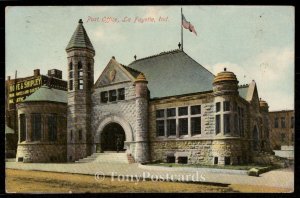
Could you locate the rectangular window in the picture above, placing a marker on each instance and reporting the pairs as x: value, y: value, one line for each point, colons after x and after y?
x: 171, y: 112
x: 196, y: 110
x: 227, y: 160
x: 218, y: 129
x: 112, y: 95
x: 196, y: 125
x: 282, y: 122
x: 22, y: 127
x: 276, y: 123
x: 104, y: 97
x: 71, y: 84
x: 171, y: 127
x: 160, y: 127
x: 36, y: 125
x: 80, y: 135
x: 226, y: 106
x: 160, y: 113
x: 183, y: 126
x: 80, y: 84
x: 292, y: 122
x: 80, y: 74
x: 52, y: 127
x: 218, y: 106
x: 226, y: 123
x: 71, y: 74
x: 121, y: 94
x: 182, y: 111
x: 215, y: 160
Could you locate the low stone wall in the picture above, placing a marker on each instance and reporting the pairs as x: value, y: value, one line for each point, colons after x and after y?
x: 201, y: 151
x: 39, y: 153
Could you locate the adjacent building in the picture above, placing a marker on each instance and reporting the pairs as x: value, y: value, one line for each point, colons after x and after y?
x: 282, y: 132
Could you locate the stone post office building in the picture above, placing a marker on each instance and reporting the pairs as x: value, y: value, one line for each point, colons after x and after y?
x: 165, y: 107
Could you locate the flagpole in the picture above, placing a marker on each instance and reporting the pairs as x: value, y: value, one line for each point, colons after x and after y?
x: 181, y: 31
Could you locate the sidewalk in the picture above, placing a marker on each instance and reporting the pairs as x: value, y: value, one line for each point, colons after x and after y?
x: 283, y: 178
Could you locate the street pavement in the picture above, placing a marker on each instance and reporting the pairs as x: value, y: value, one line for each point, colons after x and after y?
x: 282, y: 178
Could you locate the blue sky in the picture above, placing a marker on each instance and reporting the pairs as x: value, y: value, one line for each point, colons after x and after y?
x: 255, y: 42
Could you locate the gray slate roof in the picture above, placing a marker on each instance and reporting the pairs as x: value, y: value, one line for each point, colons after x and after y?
x: 173, y: 73
x: 80, y: 39
x: 44, y: 93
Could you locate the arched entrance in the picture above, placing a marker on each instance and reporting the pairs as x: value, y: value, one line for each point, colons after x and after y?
x: 112, y: 138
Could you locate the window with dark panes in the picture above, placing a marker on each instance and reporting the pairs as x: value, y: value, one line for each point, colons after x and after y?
x: 171, y: 112
x: 160, y: 113
x: 22, y: 127
x: 80, y: 134
x: 104, y: 96
x: 226, y: 123
x: 121, y: 94
x: 36, y: 126
x: 171, y: 127
x: 112, y: 95
x: 195, y: 109
x: 276, y: 122
x: 71, y: 74
x: 196, y: 125
x: 226, y: 106
x: 160, y: 127
x: 71, y: 84
x: 182, y: 111
x: 70, y: 66
x: 79, y: 65
x: 218, y: 106
x: 282, y: 122
x: 218, y: 124
x: 183, y: 126
x: 52, y: 127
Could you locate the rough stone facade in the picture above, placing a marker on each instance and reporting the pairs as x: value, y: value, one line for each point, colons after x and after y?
x: 43, y: 150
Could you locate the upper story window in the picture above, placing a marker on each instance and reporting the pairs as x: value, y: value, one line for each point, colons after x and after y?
x: 70, y: 66
x: 195, y: 110
x: 160, y: 113
x: 104, y: 96
x: 218, y: 106
x: 112, y: 95
x: 218, y: 124
x: 79, y: 65
x: 121, y: 94
x: 226, y: 106
x: 182, y: 111
x: 171, y: 112
x: 276, y: 122
x: 80, y: 84
x: 282, y: 122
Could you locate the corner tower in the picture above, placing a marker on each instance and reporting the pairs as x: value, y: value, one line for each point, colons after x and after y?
x: 81, y: 54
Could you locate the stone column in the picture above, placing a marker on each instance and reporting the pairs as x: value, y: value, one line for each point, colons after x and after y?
x: 141, y: 102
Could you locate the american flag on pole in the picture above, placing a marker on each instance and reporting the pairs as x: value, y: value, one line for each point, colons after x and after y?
x: 187, y: 25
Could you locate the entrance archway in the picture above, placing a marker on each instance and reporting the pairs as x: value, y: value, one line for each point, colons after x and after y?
x: 112, y: 138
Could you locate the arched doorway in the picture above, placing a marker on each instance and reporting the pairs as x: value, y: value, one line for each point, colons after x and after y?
x: 112, y: 138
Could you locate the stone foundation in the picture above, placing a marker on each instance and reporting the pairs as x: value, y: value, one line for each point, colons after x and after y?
x: 41, y: 153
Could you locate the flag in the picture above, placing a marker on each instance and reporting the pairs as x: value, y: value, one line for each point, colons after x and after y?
x: 187, y: 25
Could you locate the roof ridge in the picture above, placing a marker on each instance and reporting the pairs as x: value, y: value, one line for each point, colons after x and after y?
x: 159, y: 54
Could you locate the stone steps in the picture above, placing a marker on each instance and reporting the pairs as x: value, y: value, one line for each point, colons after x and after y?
x: 107, y: 158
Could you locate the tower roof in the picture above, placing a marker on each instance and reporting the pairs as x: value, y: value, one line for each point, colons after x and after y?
x: 225, y: 76
x: 80, y: 38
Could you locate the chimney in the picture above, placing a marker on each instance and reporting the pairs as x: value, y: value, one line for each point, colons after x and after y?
x: 36, y: 72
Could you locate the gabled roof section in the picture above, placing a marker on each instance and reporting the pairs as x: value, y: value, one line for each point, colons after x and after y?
x: 173, y: 73
x: 80, y: 38
x: 44, y: 93
x: 243, y: 90
x: 115, y: 72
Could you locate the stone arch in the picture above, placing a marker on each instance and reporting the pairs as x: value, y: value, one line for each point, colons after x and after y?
x: 114, y: 119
